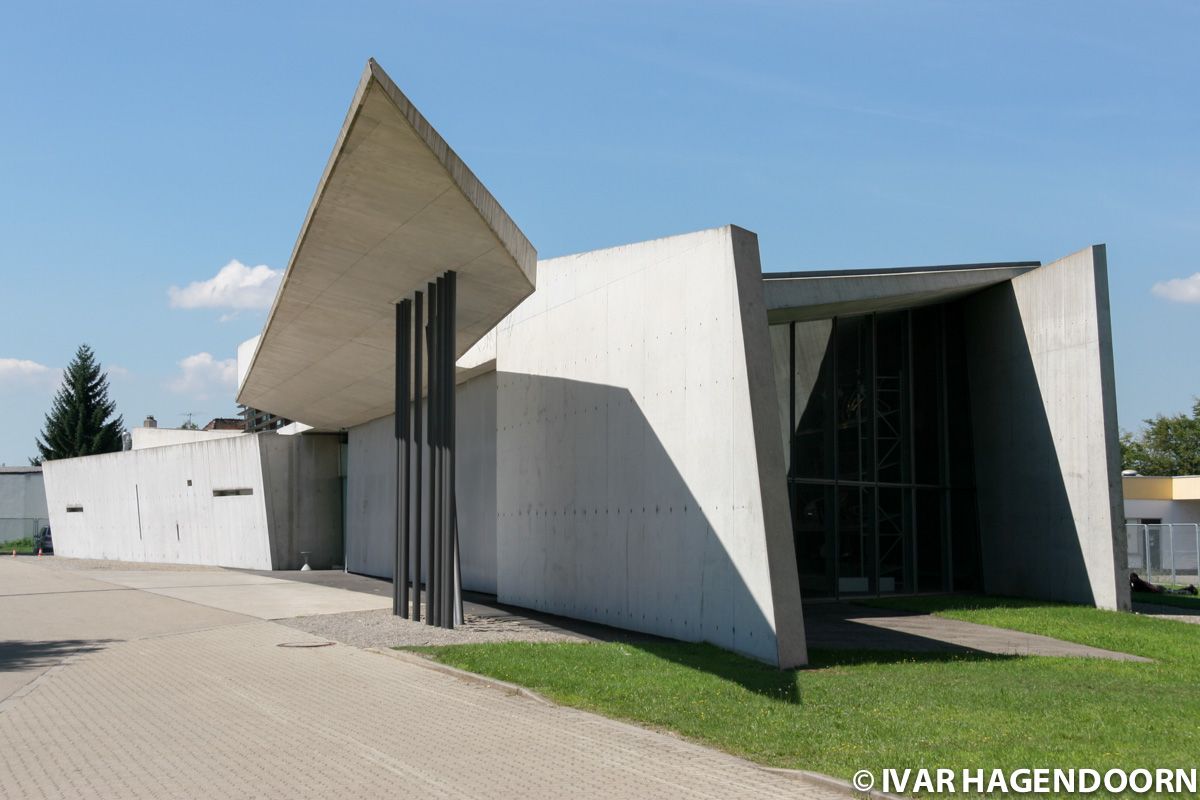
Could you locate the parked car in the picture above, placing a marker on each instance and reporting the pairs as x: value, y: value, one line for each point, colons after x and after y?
x: 43, y: 541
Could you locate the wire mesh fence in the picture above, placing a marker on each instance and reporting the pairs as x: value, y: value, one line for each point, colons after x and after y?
x: 14, y: 529
x: 1167, y: 552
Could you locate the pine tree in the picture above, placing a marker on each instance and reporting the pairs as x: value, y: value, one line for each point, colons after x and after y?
x: 80, y: 421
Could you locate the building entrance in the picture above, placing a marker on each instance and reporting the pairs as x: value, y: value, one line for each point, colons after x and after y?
x: 880, y: 470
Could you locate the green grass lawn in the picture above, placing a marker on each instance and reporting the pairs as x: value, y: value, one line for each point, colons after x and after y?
x: 22, y: 546
x: 858, y: 709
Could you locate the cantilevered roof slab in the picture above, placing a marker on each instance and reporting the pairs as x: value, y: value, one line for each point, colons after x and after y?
x: 395, y: 208
x: 797, y: 296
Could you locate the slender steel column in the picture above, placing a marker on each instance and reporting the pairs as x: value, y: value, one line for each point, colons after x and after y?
x: 445, y: 391
x: 418, y: 345
x: 426, y: 522
x: 403, y: 410
x: 400, y: 565
x: 432, y: 607
x: 453, y: 571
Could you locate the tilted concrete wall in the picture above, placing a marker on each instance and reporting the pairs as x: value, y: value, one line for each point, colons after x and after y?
x: 138, y: 506
x: 641, y: 480
x: 371, y: 489
x: 1043, y: 405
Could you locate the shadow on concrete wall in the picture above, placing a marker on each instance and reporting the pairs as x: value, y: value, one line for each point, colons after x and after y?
x: 597, y: 522
x: 1028, y: 531
x: 303, y: 499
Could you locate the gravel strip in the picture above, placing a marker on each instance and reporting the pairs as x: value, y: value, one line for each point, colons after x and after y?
x: 379, y: 628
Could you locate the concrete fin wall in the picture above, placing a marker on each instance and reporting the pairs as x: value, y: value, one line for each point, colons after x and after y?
x: 640, y: 476
x: 1044, y: 417
x: 139, y: 506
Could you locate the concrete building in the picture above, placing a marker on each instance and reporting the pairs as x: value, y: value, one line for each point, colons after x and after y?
x: 23, y: 509
x: 662, y: 437
x: 1153, y: 500
x: 1162, y: 525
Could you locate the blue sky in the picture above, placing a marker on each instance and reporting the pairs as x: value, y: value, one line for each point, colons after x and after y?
x: 147, y: 146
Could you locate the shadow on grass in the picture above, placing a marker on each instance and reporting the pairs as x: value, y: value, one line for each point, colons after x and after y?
x: 1167, y: 603
x: 932, y: 604
x: 784, y: 685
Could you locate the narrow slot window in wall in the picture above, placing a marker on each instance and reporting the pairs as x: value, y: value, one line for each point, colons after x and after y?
x: 231, y: 492
x: 74, y: 509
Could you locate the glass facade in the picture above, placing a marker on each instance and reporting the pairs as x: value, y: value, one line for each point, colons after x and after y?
x: 880, y: 465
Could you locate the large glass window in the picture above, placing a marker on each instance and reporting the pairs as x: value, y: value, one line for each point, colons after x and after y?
x: 880, y: 461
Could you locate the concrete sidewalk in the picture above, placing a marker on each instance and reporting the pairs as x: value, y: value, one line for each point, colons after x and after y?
x: 162, y: 697
x: 247, y: 593
x: 848, y: 626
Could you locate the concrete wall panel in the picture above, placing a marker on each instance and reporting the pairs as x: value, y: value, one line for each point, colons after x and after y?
x: 1044, y: 417
x: 636, y: 400
x: 139, y: 506
x: 303, y: 496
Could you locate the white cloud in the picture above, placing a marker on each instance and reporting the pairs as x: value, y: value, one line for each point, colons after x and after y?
x: 201, y: 374
x: 21, y: 373
x: 235, y: 286
x: 1179, y: 290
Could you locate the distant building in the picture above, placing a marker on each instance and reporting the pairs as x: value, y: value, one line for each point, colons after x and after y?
x: 1162, y: 526
x: 1157, y: 500
x: 225, y: 424
x: 22, y: 502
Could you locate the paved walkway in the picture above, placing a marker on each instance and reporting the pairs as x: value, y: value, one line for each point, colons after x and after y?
x: 1177, y: 613
x: 160, y: 696
x: 842, y: 626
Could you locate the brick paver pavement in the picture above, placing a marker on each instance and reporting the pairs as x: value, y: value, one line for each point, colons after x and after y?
x: 225, y: 712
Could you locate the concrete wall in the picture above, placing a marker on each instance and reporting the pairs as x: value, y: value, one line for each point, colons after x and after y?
x: 641, y: 480
x: 22, y: 504
x: 160, y: 437
x: 139, y: 506
x: 158, y: 504
x: 371, y: 489
x: 371, y: 498
x: 303, y: 499
x: 476, y: 482
x: 1044, y: 415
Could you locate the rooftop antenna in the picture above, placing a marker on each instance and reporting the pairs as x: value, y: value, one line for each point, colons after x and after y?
x: 189, y: 424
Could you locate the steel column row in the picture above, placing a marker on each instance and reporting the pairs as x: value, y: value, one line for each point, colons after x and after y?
x: 425, y: 331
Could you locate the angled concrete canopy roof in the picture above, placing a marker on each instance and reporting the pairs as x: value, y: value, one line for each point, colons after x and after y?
x: 395, y: 208
x: 795, y: 296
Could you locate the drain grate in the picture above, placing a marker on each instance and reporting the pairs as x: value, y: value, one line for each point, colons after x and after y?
x: 304, y: 644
